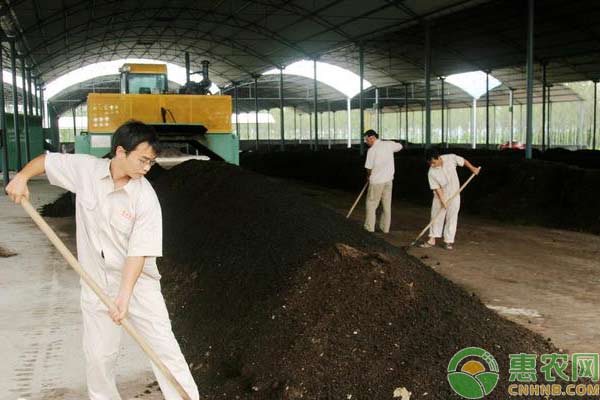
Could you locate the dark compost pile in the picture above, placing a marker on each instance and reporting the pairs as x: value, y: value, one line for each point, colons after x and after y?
x: 275, y: 297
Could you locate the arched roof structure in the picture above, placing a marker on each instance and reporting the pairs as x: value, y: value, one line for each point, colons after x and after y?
x: 244, y: 38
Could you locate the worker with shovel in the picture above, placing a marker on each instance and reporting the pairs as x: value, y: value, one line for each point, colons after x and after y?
x: 119, y: 237
x: 444, y: 182
x: 380, y: 175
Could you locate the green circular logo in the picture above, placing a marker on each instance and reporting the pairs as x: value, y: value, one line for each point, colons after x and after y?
x: 478, y: 373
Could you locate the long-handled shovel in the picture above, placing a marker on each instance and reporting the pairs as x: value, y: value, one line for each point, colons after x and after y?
x: 60, y: 246
x: 464, y: 185
x: 357, y: 199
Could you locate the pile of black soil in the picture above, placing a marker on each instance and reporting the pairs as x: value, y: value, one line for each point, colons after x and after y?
x: 275, y: 297
x: 64, y: 206
x: 510, y: 188
x: 155, y: 172
x: 580, y: 158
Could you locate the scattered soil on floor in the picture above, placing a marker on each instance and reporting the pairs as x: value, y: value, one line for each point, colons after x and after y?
x: 4, y: 252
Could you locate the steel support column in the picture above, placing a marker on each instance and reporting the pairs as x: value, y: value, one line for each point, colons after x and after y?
x: 511, y: 101
x: 74, y: 121
x: 529, y: 131
x: 413, y: 122
x: 29, y: 93
x: 237, y: 110
x: 316, y: 143
x: 187, y: 67
x: 300, y: 130
x: 328, y: 125
x: 13, y: 68
x: 256, y: 107
x: 295, y: 122
x: 595, y: 109
x: 474, y: 124
x: 449, y: 130
x: 361, y: 76
x: 321, y: 125
x: 381, y: 124
x: 427, y: 86
x: 281, y: 121
x: 543, y: 106
x: 5, y: 175
x: 548, y: 124
x: 494, y: 138
x: 310, y: 131
x: 25, y: 110
x: 349, y: 118
x: 42, y: 105
x: 377, y: 122
x: 36, y: 98
x: 268, y: 128
x: 443, y: 79
x: 399, y: 122
x: 423, y: 134
x: 406, y: 110
x: 521, y: 131
x: 487, y: 110
x: 268, y: 112
x: 334, y: 136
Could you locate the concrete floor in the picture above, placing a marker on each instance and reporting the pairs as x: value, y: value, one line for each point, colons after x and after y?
x: 542, y: 278
x: 40, y: 319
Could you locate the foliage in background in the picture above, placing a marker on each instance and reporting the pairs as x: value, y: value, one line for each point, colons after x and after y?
x: 570, y: 124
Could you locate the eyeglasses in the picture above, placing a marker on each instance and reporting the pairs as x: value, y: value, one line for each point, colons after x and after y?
x: 146, y: 162
x: 143, y: 161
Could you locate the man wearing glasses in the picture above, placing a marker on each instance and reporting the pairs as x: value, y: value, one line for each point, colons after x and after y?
x: 119, y: 237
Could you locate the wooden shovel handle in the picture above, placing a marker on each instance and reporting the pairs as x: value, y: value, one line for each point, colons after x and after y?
x: 357, y: 199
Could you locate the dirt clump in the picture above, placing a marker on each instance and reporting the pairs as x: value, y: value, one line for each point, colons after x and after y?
x: 5, y: 253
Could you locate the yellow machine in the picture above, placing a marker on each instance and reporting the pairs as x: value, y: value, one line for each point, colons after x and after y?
x: 200, y: 123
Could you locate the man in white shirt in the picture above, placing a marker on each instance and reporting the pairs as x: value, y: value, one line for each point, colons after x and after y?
x: 119, y: 237
x: 380, y: 173
x: 444, y: 182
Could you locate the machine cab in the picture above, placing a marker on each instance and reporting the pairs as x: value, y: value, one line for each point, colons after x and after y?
x: 143, y: 78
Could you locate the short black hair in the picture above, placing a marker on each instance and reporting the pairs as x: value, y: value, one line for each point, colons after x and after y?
x: 371, y: 132
x: 131, y: 134
x: 432, y: 154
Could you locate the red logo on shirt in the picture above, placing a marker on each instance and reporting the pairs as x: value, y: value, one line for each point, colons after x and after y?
x: 126, y: 214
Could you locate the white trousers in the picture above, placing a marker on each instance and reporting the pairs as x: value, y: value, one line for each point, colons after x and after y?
x: 446, y: 222
x: 379, y: 193
x: 101, y: 340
